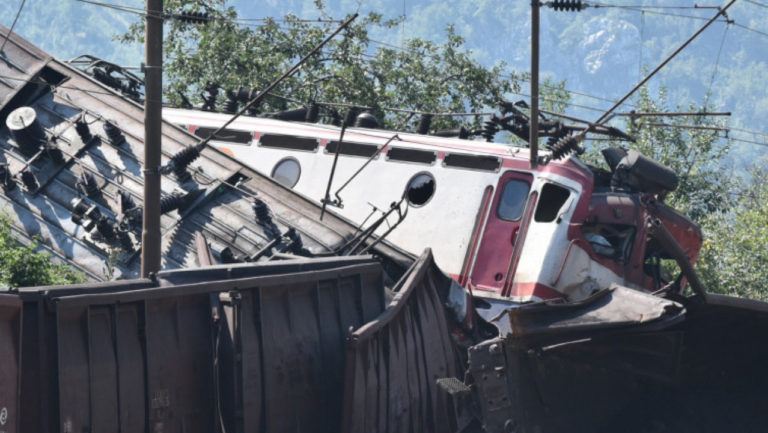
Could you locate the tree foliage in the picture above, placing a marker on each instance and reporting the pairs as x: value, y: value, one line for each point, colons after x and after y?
x: 734, y: 258
x: 23, y: 266
x: 419, y: 75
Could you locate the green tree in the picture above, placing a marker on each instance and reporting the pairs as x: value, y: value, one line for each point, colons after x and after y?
x: 734, y: 258
x: 419, y: 75
x: 23, y: 266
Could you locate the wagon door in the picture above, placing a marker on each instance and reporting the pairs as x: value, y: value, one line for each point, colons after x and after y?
x: 497, y: 245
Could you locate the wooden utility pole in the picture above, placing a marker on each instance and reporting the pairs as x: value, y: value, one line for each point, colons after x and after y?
x: 533, y: 130
x: 153, y: 106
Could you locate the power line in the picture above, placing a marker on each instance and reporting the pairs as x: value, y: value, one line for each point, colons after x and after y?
x: 121, y: 8
x: 746, y: 131
x: 241, y: 21
x: 762, y: 5
x: 8, y: 36
x: 717, y: 63
x: 727, y: 21
x: 54, y: 87
x: 750, y: 29
x: 605, y: 5
x: 764, y: 143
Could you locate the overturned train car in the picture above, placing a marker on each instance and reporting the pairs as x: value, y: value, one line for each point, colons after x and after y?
x: 323, y: 345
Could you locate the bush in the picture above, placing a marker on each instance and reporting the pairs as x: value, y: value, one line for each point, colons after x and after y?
x: 23, y: 266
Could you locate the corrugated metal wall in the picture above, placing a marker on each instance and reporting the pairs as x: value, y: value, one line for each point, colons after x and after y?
x: 254, y: 353
x: 394, y: 361
x: 10, y: 342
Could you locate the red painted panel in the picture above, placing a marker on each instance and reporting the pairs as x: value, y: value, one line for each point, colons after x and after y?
x: 497, y: 245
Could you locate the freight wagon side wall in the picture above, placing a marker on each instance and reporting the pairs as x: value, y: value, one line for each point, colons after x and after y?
x: 158, y: 358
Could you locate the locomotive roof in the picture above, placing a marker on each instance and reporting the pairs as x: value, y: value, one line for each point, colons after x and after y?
x: 219, y: 196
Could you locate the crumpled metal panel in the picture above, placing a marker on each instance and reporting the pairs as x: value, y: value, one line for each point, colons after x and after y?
x: 578, y: 366
x: 10, y: 363
x: 394, y: 361
x: 613, y: 308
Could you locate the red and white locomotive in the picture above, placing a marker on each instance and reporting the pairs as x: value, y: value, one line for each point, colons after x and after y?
x: 499, y: 227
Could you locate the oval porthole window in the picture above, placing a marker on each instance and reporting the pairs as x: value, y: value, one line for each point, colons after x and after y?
x: 420, y: 189
x: 287, y: 172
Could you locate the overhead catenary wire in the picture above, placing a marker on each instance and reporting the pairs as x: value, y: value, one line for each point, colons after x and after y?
x: 694, y: 17
x: 401, y: 110
x: 242, y: 21
x: 762, y: 5
x: 641, y: 6
x: 396, y: 47
x: 717, y: 63
x: 15, y: 20
x: 730, y: 137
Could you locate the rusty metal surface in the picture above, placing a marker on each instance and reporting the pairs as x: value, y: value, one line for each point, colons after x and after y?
x: 10, y: 363
x: 599, y: 384
x: 221, y: 190
x: 705, y: 373
x: 289, y: 340
x: 394, y: 361
x: 607, y: 310
x: 669, y: 245
x: 160, y: 357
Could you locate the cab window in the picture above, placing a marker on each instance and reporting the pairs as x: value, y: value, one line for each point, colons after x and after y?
x: 513, y: 198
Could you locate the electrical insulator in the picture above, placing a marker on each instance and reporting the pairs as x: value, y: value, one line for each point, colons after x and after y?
x: 193, y: 17
x: 105, y: 228
x: 125, y: 240
x: 230, y: 105
x: 297, y: 244
x: 171, y: 202
x: 424, y: 123
x: 86, y: 183
x: 313, y: 111
x: 126, y: 201
x: 181, y: 160
x: 349, y: 118
x: 490, y: 129
x: 296, y: 114
x: 227, y: 256
x: 55, y: 154
x: 29, y: 180
x: 82, y: 129
x: 565, y: 146
x: 264, y: 217
x: 566, y: 5
x: 262, y: 211
x: 5, y: 178
x: 116, y: 137
x: 209, y: 95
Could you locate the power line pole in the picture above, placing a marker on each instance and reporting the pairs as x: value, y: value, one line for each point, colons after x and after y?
x: 153, y: 105
x: 533, y: 134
